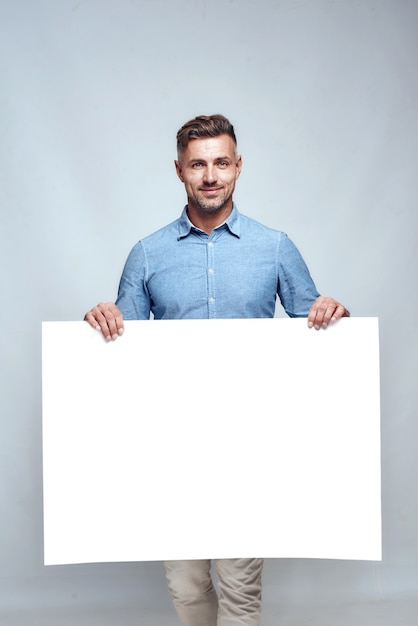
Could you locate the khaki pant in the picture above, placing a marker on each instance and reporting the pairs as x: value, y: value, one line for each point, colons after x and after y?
x: 196, y: 601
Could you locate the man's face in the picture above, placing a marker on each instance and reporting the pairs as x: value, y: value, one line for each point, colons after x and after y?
x: 209, y: 167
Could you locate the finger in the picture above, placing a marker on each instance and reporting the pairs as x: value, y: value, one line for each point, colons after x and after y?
x: 323, y: 311
x: 340, y: 311
x: 114, y: 320
x: 118, y: 320
x: 108, y: 322
x: 102, y: 321
x: 330, y: 314
x: 317, y: 312
x: 108, y: 318
x: 89, y: 317
x: 311, y: 317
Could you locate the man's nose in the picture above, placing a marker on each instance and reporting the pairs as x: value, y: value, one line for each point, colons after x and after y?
x: 210, y: 174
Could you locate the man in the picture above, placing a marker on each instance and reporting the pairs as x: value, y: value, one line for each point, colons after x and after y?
x: 213, y: 262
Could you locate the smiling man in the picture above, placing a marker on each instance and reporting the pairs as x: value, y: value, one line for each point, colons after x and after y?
x: 213, y: 262
x: 209, y: 168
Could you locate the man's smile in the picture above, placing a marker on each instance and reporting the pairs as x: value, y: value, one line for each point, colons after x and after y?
x: 210, y: 190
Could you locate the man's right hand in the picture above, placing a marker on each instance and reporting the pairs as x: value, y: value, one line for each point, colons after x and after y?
x: 107, y: 318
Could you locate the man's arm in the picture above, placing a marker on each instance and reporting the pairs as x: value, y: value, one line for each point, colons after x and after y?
x: 297, y: 291
x: 325, y: 310
x: 133, y: 299
x: 106, y: 317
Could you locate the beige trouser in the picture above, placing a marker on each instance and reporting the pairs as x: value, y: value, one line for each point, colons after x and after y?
x: 196, y: 601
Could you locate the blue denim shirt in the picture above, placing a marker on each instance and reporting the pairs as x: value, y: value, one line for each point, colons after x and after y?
x: 181, y: 272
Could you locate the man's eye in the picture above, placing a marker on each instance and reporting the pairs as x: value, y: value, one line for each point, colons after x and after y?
x: 197, y: 165
x: 223, y: 163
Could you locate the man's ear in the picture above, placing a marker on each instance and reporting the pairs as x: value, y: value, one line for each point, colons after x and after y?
x: 178, y: 170
x: 238, y: 165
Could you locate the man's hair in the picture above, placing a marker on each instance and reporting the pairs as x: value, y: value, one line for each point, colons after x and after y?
x: 204, y: 126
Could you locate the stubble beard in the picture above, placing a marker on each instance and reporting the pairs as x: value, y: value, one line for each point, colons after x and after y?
x: 212, y: 207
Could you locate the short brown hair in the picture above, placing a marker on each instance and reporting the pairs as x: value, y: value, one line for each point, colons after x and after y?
x: 204, y: 126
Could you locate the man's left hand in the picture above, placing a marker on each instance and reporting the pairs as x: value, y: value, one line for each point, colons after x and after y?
x: 325, y: 310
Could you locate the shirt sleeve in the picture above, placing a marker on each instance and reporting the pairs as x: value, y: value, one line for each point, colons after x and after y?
x: 295, y: 287
x: 133, y: 298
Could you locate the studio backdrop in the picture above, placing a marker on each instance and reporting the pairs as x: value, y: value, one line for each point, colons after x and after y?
x: 323, y: 96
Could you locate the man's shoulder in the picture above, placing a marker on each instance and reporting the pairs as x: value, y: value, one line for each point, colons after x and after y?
x: 253, y: 226
x: 165, y: 233
x: 157, y: 241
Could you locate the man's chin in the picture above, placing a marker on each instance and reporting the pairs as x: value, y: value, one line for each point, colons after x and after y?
x: 211, y: 207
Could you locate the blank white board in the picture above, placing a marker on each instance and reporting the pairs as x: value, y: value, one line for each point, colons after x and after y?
x: 191, y: 439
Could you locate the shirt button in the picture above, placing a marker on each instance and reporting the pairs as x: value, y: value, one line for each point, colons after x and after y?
x: 210, y: 270
x: 211, y: 300
x: 210, y: 243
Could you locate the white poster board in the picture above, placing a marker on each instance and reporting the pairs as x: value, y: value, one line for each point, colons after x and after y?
x: 211, y: 439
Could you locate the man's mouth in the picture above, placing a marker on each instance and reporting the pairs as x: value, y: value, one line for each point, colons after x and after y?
x: 210, y: 190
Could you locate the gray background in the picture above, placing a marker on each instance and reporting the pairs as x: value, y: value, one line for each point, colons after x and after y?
x: 323, y: 95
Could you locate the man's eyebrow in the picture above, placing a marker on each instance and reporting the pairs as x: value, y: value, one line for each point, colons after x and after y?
x: 220, y: 158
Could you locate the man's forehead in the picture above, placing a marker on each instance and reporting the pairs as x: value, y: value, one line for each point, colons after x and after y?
x: 221, y: 145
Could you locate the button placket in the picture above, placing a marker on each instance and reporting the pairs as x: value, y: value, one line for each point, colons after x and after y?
x: 211, y: 279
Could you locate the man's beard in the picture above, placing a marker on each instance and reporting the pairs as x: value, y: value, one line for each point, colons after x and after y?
x: 211, y: 207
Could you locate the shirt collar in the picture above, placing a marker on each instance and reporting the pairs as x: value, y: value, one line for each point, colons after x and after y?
x: 232, y: 222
